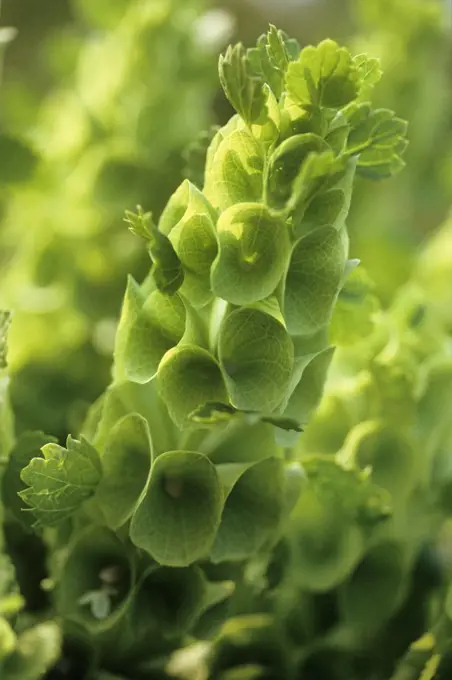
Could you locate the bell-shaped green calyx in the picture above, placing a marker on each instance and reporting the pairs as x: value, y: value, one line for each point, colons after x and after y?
x: 256, y: 357
x: 179, y: 512
x: 254, y: 247
x: 327, y: 524
x: 168, y: 600
x: 309, y: 389
x: 326, y: 543
x: 189, y: 221
x: 252, y: 510
x: 156, y: 328
x: 236, y: 172
x: 95, y: 581
x: 284, y: 167
x: 313, y: 280
x: 126, y: 461
x: 189, y: 377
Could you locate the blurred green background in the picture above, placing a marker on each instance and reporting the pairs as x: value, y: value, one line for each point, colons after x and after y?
x: 99, y: 101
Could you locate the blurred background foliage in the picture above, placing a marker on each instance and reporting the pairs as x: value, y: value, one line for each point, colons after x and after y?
x: 100, y: 99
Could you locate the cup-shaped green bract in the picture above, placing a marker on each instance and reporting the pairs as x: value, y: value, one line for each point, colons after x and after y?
x: 95, y: 580
x: 308, y: 391
x: 159, y: 326
x: 326, y: 543
x: 189, y: 222
x: 179, y: 512
x: 254, y: 248
x: 127, y: 397
x: 188, y: 377
x: 375, y: 588
x: 168, y: 600
x: 256, y: 356
x: 252, y: 511
x: 284, y: 167
x: 313, y: 280
x: 389, y: 453
x: 126, y: 461
x: 236, y: 171
x: 324, y: 210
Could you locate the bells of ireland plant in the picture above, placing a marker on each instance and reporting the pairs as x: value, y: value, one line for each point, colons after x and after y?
x: 187, y: 469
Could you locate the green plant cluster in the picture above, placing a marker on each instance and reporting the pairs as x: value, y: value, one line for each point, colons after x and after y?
x: 192, y: 529
x: 110, y: 134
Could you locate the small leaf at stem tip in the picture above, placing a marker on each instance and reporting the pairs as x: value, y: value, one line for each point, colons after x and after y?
x: 60, y: 481
x: 167, y: 269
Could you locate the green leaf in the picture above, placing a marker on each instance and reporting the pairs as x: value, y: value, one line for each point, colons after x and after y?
x: 236, y: 172
x: 167, y: 270
x: 27, y: 446
x: 323, y: 76
x: 156, y: 328
x: 379, y: 137
x: 187, y: 378
x: 313, y: 280
x: 252, y: 511
x: 369, y: 72
x: 180, y: 510
x: 61, y: 481
x: 242, y: 87
x: 285, y: 165
x: 253, y: 250
x: 256, y: 357
x: 126, y: 461
x: 271, y: 57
